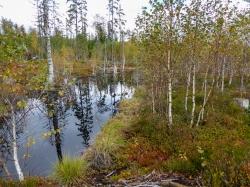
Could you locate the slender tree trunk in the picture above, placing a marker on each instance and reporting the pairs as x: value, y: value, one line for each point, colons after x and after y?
x: 223, y: 75
x: 123, y: 54
x: 187, y: 89
x: 105, y: 56
x: 205, y: 94
x: 218, y: 77
x: 46, y: 20
x: 153, y: 98
x: 193, y: 95
x: 204, y: 104
x: 112, y: 47
x: 242, y: 83
x: 5, y: 168
x: 170, y: 116
x: 50, y: 61
x: 14, y: 146
x: 231, y: 77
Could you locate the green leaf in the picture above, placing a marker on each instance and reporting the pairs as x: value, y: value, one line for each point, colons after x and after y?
x: 21, y: 104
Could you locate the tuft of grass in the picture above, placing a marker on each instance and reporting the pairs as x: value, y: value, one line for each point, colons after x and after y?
x: 70, y: 171
x: 106, y: 144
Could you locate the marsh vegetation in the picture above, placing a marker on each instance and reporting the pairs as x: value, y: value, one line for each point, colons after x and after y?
x: 170, y: 97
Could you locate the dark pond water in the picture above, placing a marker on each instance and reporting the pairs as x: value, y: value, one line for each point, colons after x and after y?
x: 66, y: 121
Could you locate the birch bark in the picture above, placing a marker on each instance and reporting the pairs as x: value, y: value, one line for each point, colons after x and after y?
x: 193, y: 95
x: 14, y: 146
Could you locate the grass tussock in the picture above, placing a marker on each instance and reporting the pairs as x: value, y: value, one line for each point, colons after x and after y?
x: 70, y: 171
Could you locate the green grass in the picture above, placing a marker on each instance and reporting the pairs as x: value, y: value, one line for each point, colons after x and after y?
x: 70, y: 171
x: 103, y: 153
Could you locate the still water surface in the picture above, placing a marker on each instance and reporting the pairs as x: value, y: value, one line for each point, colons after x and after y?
x: 66, y: 121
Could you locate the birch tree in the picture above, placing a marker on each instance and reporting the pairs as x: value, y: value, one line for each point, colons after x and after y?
x: 14, y: 144
x: 172, y: 10
x: 44, y: 8
x: 113, y: 6
x: 193, y: 31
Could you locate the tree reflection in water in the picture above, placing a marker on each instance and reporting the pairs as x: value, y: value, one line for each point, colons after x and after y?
x: 83, y: 111
x: 55, y: 111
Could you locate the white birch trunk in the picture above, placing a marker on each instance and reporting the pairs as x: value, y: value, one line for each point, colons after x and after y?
x: 14, y: 146
x: 218, y: 77
x: 170, y: 101
x: 153, y: 99
x: 223, y: 75
x: 115, y: 69
x: 123, y: 55
x: 187, y: 90
x: 204, y: 105
x: 193, y: 95
x: 205, y: 95
x: 50, y: 61
x: 242, y: 83
x: 231, y: 78
x: 105, y: 56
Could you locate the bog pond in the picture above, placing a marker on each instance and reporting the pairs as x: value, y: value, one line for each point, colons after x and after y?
x: 65, y: 122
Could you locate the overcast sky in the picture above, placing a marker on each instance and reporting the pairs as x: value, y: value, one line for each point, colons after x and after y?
x: 23, y: 11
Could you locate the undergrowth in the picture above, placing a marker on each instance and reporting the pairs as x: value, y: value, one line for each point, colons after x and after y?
x: 218, y: 150
x: 136, y: 142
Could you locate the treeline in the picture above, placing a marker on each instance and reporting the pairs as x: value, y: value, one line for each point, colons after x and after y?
x: 18, y: 44
x: 195, y: 49
x: 110, y: 44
